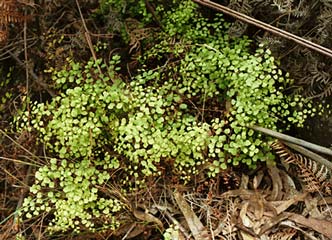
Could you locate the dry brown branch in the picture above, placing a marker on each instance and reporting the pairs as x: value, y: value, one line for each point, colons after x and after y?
x: 88, y: 37
x: 297, y: 141
x: 267, y: 27
x: 320, y: 225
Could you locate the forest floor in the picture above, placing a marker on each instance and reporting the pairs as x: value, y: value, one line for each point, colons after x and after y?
x: 269, y: 202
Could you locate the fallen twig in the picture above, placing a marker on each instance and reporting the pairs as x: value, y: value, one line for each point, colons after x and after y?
x: 196, y: 227
x: 267, y: 27
x: 88, y: 37
x: 296, y: 143
x: 293, y: 140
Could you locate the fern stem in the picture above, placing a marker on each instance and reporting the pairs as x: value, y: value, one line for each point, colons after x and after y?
x: 294, y: 140
x: 266, y: 27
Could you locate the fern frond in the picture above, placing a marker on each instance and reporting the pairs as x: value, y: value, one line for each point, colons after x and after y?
x: 301, y: 10
x: 312, y: 174
x: 7, y: 5
x: 282, y: 5
x: 319, y: 90
x: 324, y: 28
x: 317, y: 78
x: 327, y: 90
x: 259, y: 3
x: 242, y: 6
x: 8, y: 14
x: 320, y: 76
x: 325, y: 16
x: 3, y: 35
x: 231, y: 213
x: 10, y: 17
x: 238, y: 28
x: 283, y: 152
x: 284, y: 234
x: 315, y: 177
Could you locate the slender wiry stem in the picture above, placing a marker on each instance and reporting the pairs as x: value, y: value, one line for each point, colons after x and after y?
x: 294, y: 140
x: 296, y: 143
x: 267, y: 27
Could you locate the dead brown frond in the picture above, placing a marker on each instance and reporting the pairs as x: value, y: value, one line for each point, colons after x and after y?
x: 238, y: 28
x: 283, y: 152
x: 136, y: 33
x: 8, y: 14
x: 7, y: 5
x: 316, y: 177
x: 318, y: 75
x: 320, y: 91
x: 229, y: 224
x: 313, y: 175
x: 3, y: 35
x: 284, y: 234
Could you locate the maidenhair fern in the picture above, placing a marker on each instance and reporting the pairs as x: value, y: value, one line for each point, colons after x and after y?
x: 72, y: 196
x: 186, y: 111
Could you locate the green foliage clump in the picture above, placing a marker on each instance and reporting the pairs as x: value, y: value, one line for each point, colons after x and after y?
x: 157, y: 131
x: 5, y: 94
x: 72, y: 124
x: 241, y: 87
x: 189, y: 113
x: 171, y: 233
x: 133, y: 8
x: 72, y: 196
